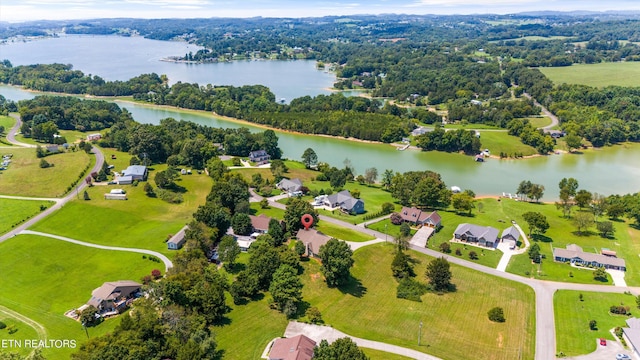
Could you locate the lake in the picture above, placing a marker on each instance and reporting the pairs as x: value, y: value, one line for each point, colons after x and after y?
x: 121, y: 58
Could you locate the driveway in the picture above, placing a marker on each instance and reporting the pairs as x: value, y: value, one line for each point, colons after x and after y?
x: 603, y: 352
x: 618, y: 277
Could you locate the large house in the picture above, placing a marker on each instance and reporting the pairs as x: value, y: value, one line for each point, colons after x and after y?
x: 290, y: 186
x: 137, y: 172
x: 259, y: 157
x: 294, y: 348
x: 312, y: 239
x: 510, y: 236
x: 631, y: 335
x: 419, y: 217
x: 574, y: 254
x: 482, y: 235
x: 345, y: 202
x: 113, y: 297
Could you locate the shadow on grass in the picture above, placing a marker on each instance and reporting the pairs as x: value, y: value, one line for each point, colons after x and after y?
x: 583, y: 233
x: 541, y: 238
x: 353, y: 287
x: 236, y: 268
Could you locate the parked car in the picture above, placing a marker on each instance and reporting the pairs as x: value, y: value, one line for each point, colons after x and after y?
x: 603, y: 342
x: 622, y: 357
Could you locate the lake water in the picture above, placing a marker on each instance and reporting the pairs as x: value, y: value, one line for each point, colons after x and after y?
x: 121, y: 58
x: 610, y: 170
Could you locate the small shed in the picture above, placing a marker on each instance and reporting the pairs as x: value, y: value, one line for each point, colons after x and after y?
x: 176, y: 241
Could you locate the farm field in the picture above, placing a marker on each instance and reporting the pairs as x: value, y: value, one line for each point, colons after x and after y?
x: 15, y: 212
x: 600, y: 75
x: 396, y: 321
x: 572, y: 317
x: 24, y: 177
x: 43, y: 278
x: 140, y: 221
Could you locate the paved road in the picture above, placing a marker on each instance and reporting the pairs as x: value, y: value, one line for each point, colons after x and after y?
x: 60, y: 203
x: 554, y: 119
x: 167, y: 263
x: 11, y: 136
x: 317, y: 333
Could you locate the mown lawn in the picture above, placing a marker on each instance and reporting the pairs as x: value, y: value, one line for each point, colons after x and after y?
x: 24, y: 177
x: 15, y: 212
x: 7, y: 122
x: 539, y: 121
x: 140, y: 221
x: 600, y: 75
x: 500, y: 141
x: 23, y: 332
x: 43, y: 278
x: 572, y: 317
x: 368, y: 308
x: 382, y: 355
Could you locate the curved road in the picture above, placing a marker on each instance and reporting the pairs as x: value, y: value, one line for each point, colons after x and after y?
x: 544, y: 290
x: 60, y: 202
x: 167, y: 263
x: 554, y: 119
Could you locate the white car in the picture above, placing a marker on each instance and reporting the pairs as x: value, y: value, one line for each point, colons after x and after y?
x: 622, y: 357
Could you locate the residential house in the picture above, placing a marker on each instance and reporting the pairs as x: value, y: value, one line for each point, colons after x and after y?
x: 176, y: 241
x: 510, y: 236
x: 94, y: 137
x: 419, y: 217
x: 312, y: 239
x: 345, y: 202
x: 482, y: 235
x: 53, y: 149
x: 420, y: 130
x: 631, y: 335
x: 124, y: 180
x: 260, y: 223
x: 290, y: 186
x: 574, y: 254
x: 294, y: 348
x: 259, y: 157
x: 137, y: 172
x: 113, y: 297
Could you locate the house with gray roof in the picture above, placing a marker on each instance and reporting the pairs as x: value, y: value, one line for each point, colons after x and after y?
x: 574, y: 255
x: 345, y: 202
x: 259, y: 157
x: 510, y: 235
x: 631, y: 335
x: 290, y: 186
x: 312, y: 239
x: 177, y: 240
x: 481, y: 235
x: 115, y: 296
x: 137, y: 172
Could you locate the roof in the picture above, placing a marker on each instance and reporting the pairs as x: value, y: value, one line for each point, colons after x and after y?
x: 434, y: 217
x: 260, y: 222
x: 290, y: 185
x: 340, y: 197
x: 477, y: 231
x: 135, y: 170
x: 588, y: 257
x: 608, y: 252
x: 177, y: 238
x: 511, y: 231
x: 634, y: 337
x: 633, y: 323
x: 258, y: 153
x: 574, y: 247
x: 295, y: 348
x: 350, y: 203
x: 410, y: 214
x: 112, y: 290
x: 313, y: 239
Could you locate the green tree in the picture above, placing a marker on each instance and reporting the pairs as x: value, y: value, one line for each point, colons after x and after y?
x: 605, y: 228
x: 241, y: 224
x: 371, y: 175
x: 583, y: 198
x: 88, y: 316
x: 615, y: 210
x: 314, y: 315
x: 336, y: 257
x: 341, y: 349
x: 400, y: 266
x: 573, y: 141
x: 228, y: 251
x: 582, y: 221
x: 593, y: 325
x: 278, y: 169
x: 286, y: 287
x: 462, y: 202
x: 524, y: 189
x: 276, y: 232
x: 216, y: 168
x: 387, y: 177
x: 496, y: 314
x: 166, y: 179
x: 86, y: 195
x: 214, y: 216
x: 600, y: 274
x: 309, y: 158
x: 536, y: 192
x: 300, y: 248
x: 296, y: 208
x: 439, y: 274
x: 534, y: 253
x: 538, y: 223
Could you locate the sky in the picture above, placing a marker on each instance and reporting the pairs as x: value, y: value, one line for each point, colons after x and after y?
x: 24, y: 10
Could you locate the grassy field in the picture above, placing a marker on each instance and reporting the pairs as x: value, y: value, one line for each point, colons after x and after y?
x: 140, y: 221
x: 572, y: 319
x: 367, y: 308
x: 600, y: 75
x: 539, y: 121
x: 23, y: 332
x: 500, y: 141
x: 382, y: 355
x: 7, y: 122
x: 43, y: 278
x: 24, y: 176
x: 342, y: 233
x: 15, y: 212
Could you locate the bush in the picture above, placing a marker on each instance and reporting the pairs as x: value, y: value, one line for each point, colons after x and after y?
x: 396, y: 219
x: 44, y: 164
x: 411, y: 289
x: 496, y: 314
x: 2, y: 325
x: 236, y: 161
x: 314, y: 315
x: 264, y: 204
x: 445, y: 247
x: 473, y: 255
x: 593, y: 325
x: 169, y: 196
x: 387, y: 208
x: 458, y: 252
x: 619, y: 309
x: 156, y: 274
